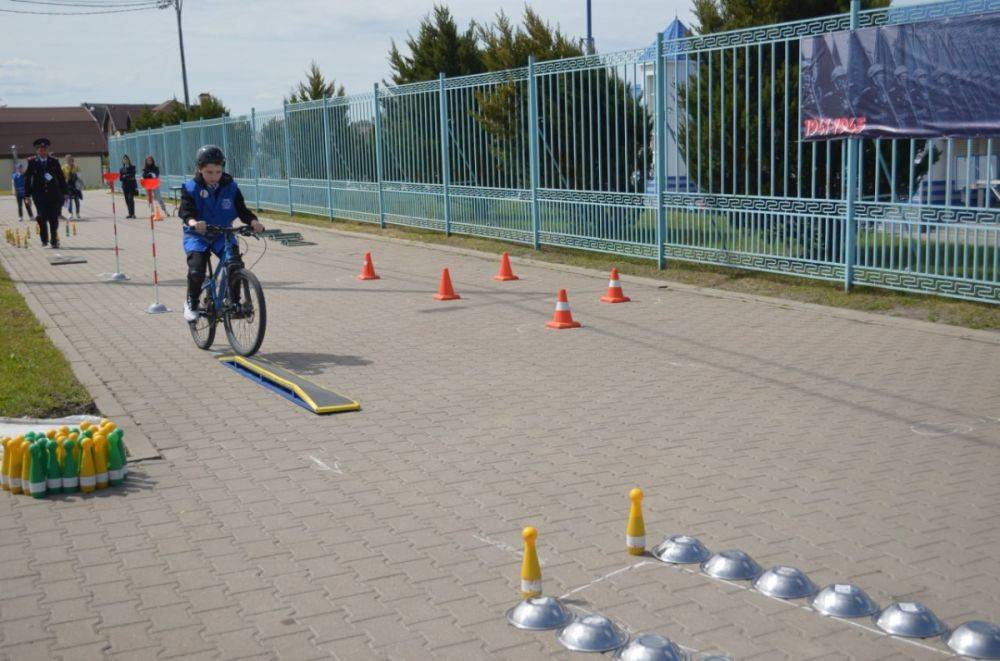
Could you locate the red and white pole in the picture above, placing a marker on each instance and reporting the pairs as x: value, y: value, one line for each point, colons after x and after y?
x: 117, y: 276
x: 156, y: 308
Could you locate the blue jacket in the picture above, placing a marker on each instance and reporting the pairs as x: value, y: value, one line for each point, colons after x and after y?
x: 18, y: 178
x: 216, y: 207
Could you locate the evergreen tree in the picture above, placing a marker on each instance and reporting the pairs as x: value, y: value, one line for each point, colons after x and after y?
x: 439, y: 47
x: 315, y: 87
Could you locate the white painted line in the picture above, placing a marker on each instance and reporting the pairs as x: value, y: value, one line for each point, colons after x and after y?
x: 606, y: 577
x: 507, y: 548
x: 323, y: 466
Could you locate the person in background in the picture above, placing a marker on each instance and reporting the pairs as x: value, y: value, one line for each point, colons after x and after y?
x: 45, y: 183
x: 126, y: 177
x: 74, y: 185
x: 23, y: 201
x: 150, y: 170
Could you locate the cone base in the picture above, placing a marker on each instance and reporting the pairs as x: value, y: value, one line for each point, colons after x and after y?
x: 445, y: 297
x: 505, y: 278
x: 561, y: 325
x: 615, y: 299
x: 369, y: 277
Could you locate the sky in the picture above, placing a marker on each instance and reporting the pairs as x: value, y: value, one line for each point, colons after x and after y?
x: 251, y: 52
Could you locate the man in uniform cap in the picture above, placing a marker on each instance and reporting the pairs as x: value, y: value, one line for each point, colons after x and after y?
x: 45, y: 183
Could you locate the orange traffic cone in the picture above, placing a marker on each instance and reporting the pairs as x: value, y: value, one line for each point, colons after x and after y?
x: 368, y: 269
x: 157, y: 215
x: 505, y: 272
x: 562, y: 318
x: 445, y: 290
x: 615, y: 294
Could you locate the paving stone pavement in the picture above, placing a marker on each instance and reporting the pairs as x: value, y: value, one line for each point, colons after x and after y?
x: 857, y: 447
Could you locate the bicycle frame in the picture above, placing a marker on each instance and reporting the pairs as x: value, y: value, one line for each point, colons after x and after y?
x: 220, y: 275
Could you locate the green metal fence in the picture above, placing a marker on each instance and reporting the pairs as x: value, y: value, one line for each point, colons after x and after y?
x: 689, y: 149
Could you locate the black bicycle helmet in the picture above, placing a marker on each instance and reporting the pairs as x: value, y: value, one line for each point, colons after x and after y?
x: 209, y: 154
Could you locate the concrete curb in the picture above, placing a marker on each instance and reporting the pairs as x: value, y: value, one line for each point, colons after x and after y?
x: 138, y: 444
x: 984, y: 336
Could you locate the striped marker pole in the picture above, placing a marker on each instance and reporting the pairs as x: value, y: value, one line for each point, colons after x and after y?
x: 117, y: 276
x: 531, y: 571
x: 635, y: 532
x: 156, y: 307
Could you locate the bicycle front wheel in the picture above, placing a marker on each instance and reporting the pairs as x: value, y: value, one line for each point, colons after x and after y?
x: 245, y: 318
x: 203, y: 328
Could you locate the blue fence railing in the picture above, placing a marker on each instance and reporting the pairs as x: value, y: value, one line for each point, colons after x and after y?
x: 689, y: 149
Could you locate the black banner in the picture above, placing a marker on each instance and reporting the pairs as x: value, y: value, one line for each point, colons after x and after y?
x: 921, y: 80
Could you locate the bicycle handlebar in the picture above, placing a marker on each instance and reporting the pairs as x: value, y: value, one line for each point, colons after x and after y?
x: 244, y: 230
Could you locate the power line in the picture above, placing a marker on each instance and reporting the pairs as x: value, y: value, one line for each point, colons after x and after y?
x: 99, y: 7
x: 74, y: 13
x: 95, y: 4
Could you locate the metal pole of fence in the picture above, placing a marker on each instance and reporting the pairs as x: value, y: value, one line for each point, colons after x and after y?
x: 850, y: 223
x: 533, y: 151
x: 326, y: 156
x: 660, y: 164
x: 288, y: 158
x: 378, y: 159
x: 445, y: 161
x: 225, y: 142
x: 253, y: 158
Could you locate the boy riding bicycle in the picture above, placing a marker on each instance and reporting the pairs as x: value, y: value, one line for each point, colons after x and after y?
x: 211, y: 198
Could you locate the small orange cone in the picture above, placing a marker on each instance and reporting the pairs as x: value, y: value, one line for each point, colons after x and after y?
x: 157, y: 215
x: 368, y: 269
x: 615, y: 294
x: 562, y: 318
x: 505, y: 271
x: 445, y: 290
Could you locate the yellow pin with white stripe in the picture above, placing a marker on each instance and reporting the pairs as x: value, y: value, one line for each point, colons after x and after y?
x: 531, y: 571
x: 635, y: 532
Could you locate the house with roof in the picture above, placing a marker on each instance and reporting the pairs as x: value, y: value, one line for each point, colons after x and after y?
x: 71, y: 129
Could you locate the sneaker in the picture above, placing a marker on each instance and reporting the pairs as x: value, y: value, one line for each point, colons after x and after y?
x: 54, y: 245
x: 190, y: 314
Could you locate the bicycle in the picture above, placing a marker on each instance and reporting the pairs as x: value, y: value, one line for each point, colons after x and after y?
x: 245, y: 318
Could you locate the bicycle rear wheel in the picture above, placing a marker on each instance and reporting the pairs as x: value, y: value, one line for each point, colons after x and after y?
x: 203, y: 328
x: 245, y: 319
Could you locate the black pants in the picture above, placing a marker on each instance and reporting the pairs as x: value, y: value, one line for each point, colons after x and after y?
x: 129, y: 200
x: 25, y: 202
x: 49, y: 228
x: 197, y: 268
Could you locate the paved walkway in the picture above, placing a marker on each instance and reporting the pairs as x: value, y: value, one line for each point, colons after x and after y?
x: 858, y: 448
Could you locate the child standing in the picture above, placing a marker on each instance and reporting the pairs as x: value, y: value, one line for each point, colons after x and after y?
x: 150, y: 170
x: 74, y: 185
x: 23, y: 200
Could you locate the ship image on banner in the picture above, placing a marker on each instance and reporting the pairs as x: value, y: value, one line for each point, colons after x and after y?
x: 919, y: 80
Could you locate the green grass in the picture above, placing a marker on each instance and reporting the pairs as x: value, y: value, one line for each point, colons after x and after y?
x: 936, y: 309
x: 35, y: 378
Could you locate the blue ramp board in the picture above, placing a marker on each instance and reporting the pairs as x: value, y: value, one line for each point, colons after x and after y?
x: 291, y: 386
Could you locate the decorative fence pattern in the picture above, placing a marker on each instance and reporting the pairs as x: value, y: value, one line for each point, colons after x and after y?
x: 690, y: 150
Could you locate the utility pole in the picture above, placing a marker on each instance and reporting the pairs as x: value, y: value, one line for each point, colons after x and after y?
x: 177, y: 5
x: 588, y: 47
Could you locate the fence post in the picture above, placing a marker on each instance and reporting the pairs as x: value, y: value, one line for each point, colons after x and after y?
x: 184, y: 155
x: 850, y: 223
x: 378, y: 159
x: 288, y: 157
x: 326, y: 156
x: 533, y: 152
x: 253, y: 157
x: 225, y: 142
x: 445, y: 157
x: 166, y: 163
x: 660, y: 162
